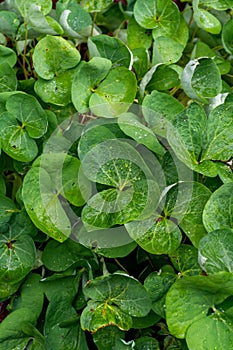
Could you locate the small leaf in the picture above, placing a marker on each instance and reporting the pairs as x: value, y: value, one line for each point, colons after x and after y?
x: 7, y: 55
x: 166, y: 50
x: 8, y: 80
x: 137, y: 36
x: 46, y: 64
x: 184, y: 260
x: 9, y: 23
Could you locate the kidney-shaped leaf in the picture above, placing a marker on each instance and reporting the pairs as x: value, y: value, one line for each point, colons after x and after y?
x: 218, y: 211
x: 47, y: 64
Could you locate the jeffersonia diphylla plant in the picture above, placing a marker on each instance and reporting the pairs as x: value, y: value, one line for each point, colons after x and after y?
x: 116, y: 206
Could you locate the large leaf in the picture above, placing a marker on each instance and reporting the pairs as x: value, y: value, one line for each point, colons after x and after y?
x: 115, y: 94
x: 215, y: 251
x: 190, y: 298
x: 218, y: 211
x: 48, y: 65
x: 88, y: 76
x: 111, y: 48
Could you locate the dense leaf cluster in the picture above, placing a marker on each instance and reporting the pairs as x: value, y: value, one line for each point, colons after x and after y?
x: 116, y: 182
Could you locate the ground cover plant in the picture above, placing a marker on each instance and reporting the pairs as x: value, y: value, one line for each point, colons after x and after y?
x: 116, y: 205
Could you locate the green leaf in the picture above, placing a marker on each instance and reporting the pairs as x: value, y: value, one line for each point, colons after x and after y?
x: 184, y: 259
x: 166, y: 50
x: 120, y: 290
x: 43, y: 24
x: 218, y: 211
x: 7, y: 208
x: 137, y: 36
x: 12, y: 335
x: 225, y: 172
x: 73, y: 18
x: 48, y: 185
x: 190, y: 298
x: 48, y: 65
x: 25, y: 7
x: 111, y: 243
x: 156, y: 235
x: 8, y: 81
x: 18, y: 256
x: 61, y: 256
x: 31, y: 295
x: 2, y: 186
x: 157, y: 284
x: 105, y: 338
x: 147, y: 321
x: 96, y: 6
x: 215, y: 251
x: 97, y: 315
x: 219, y: 140
x: 159, y: 109
x: 201, y: 79
x: 133, y: 194
x: 111, y: 48
x: 206, y: 20
x: 7, y: 55
x: 140, y: 61
x: 9, y: 23
x: 164, y: 78
x: 28, y: 111
x: 57, y: 337
x: 8, y: 289
x: 115, y: 94
x: 57, y: 90
x: 88, y: 76
x: 218, y: 328
x: 226, y: 36
x: 217, y: 4
x: 145, y: 343
x: 163, y: 15
x: 131, y: 125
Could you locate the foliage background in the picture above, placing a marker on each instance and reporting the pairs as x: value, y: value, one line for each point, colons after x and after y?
x: 116, y: 206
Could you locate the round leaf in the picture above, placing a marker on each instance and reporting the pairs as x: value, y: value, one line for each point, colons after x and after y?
x: 207, y: 21
x: 46, y: 64
x: 227, y: 37
x: 8, y: 81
